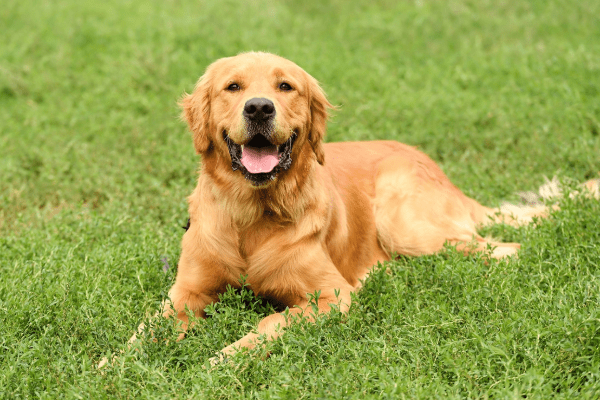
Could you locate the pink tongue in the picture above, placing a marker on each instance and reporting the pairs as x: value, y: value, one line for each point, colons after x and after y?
x: 260, y: 159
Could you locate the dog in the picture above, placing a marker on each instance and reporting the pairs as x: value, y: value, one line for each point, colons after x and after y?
x: 298, y: 216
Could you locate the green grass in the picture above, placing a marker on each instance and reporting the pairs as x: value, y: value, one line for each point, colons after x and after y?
x: 95, y: 167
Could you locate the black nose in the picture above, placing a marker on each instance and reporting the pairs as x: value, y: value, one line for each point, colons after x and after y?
x: 259, y: 109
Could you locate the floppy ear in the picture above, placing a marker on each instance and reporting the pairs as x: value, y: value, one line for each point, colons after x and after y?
x: 196, y: 111
x: 319, y: 114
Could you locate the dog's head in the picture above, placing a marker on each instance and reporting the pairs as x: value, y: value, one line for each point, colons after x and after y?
x: 259, y: 111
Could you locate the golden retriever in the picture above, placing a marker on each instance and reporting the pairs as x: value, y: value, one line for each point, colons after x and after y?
x: 295, y: 215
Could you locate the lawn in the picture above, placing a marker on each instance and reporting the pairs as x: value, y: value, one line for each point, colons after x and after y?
x: 95, y: 166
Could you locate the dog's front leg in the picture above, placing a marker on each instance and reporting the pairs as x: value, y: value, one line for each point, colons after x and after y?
x: 271, y: 327
x: 200, y: 279
x: 309, y: 277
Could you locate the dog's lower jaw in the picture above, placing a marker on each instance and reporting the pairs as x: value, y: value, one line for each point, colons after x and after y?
x: 258, y: 182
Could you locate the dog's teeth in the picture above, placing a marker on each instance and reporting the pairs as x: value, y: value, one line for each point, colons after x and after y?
x: 242, y: 147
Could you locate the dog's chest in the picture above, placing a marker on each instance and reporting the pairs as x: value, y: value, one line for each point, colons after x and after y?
x: 258, y: 236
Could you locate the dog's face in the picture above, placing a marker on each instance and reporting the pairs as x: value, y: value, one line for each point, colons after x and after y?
x: 258, y: 111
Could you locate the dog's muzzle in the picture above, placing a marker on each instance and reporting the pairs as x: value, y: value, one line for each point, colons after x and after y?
x: 259, y: 160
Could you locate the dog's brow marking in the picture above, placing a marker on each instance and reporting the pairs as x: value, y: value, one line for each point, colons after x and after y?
x: 278, y: 72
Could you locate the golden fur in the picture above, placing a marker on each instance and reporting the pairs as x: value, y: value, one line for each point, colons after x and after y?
x: 322, y: 224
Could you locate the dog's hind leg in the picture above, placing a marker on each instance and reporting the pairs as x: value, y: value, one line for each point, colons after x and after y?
x: 417, y: 210
x: 517, y: 215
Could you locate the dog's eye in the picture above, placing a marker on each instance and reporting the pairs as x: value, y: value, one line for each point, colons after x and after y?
x: 286, y: 87
x: 234, y: 87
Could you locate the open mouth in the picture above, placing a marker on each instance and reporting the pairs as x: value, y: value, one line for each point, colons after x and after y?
x: 259, y: 160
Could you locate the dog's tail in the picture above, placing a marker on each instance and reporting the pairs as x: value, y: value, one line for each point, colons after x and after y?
x: 534, y: 204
